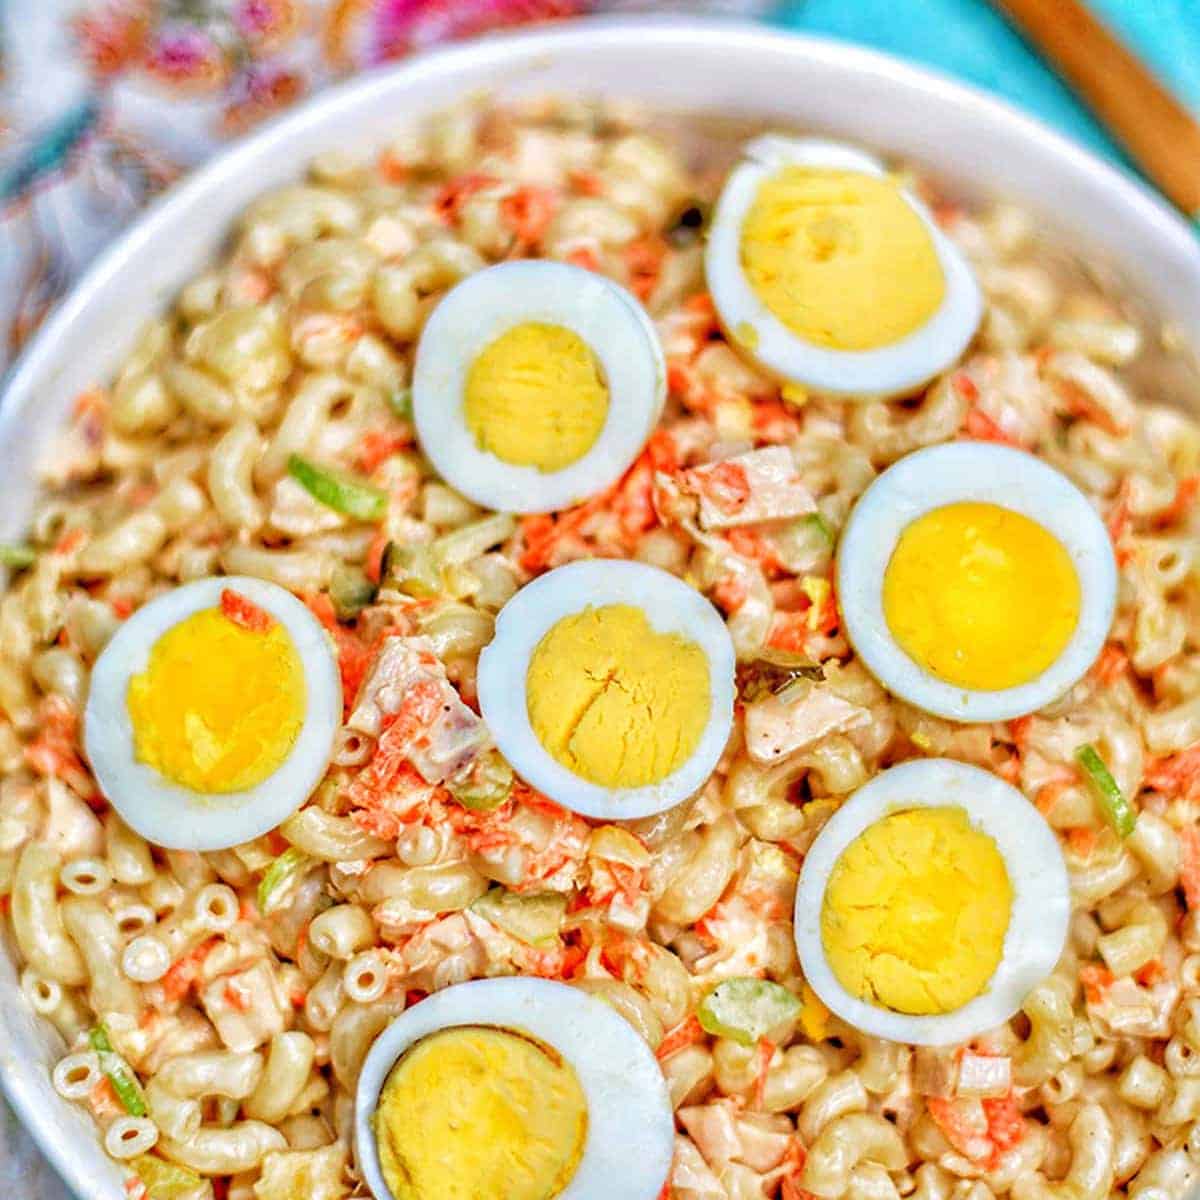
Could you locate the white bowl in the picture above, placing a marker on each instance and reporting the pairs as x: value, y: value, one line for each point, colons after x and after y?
x: 718, y: 67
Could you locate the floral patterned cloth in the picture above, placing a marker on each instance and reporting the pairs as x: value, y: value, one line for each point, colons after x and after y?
x: 105, y: 102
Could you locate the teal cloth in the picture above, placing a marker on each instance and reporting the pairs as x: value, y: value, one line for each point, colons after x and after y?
x: 970, y: 39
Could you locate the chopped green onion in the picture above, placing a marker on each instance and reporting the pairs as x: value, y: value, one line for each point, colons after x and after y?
x: 279, y: 875
x: 400, y: 402
x: 412, y: 570
x: 535, y: 919
x: 118, y: 1074
x: 351, y: 591
x: 486, y: 786
x: 338, y: 490
x: 818, y: 522
x: 168, y: 1181
x: 746, y: 1009
x: 1118, y: 812
x: 17, y: 556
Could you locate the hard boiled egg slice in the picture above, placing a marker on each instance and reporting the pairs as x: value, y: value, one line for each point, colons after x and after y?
x: 521, y: 1088
x: 931, y: 903
x: 975, y: 581
x: 824, y: 269
x: 212, y: 713
x: 609, y: 687
x: 536, y: 384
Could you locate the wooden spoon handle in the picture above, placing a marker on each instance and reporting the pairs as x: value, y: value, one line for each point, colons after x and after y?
x: 1157, y: 130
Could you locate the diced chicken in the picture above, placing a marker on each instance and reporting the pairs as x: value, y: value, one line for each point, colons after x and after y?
x: 304, y: 1175
x: 761, y: 485
x: 776, y: 727
x: 713, y: 1129
x: 246, y: 1008
x: 691, y: 1177
x: 407, y: 692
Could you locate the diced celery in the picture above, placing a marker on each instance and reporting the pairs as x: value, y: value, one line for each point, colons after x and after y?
x: 169, y: 1181
x: 17, y: 556
x: 351, y: 591
x: 470, y: 541
x: 400, y: 402
x: 412, y: 570
x: 746, y: 1009
x: 486, y: 786
x: 535, y: 919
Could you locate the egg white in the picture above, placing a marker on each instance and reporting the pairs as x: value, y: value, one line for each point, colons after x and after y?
x: 486, y: 305
x: 994, y: 474
x: 671, y: 606
x: 867, y: 374
x: 1041, y: 904
x: 630, y: 1130
x: 177, y: 817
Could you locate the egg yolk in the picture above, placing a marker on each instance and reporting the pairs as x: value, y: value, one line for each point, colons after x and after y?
x: 615, y: 701
x: 219, y: 706
x: 536, y: 397
x: 980, y: 596
x: 475, y: 1113
x: 916, y: 910
x: 841, y: 258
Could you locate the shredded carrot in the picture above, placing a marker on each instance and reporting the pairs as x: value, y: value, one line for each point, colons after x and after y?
x: 236, y: 998
x: 1005, y: 1123
x: 1175, y: 775
x: 644, y: 258
x: 184, y: 972
x: 55, y: 750
x: 391, y: 167
x: 377, y: 446
x: 1080, y: 405
x: 373, y: 564
x: 122, y: 606
x: 773, y: 422
x: 1155, y: 971
x: 236, y: 608
x: 1185, y: 497
x: 793, y: 1165
x: 1096, y: 980
x: 766, y: 1051
x: 450, y: 199
x: 70, y: 541
x: 726, y: 485
x: 1018, y: 729
x: 528, y: 212
x: 586, y: 183
x: 585, y: 257
x: 91, y: 402
x: 1119, y: 517
x: 1080, y: 838
x: 688, y: 1032
x: 1111, y: 665
x: 979, y: 427
x: 353, y: 654
x: 965, y: 386
x: 1048, y: 794
x: 104, y: 1101
x: 1189, y: 866
x: 729, y: 594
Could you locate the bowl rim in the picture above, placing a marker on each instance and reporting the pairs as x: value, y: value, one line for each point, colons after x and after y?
x: 1145, y: 205
x: 19, y: 389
